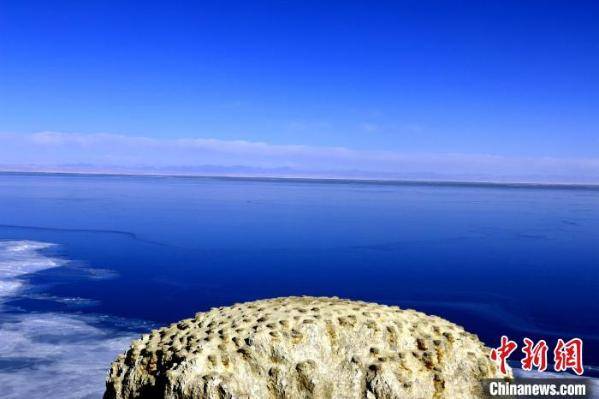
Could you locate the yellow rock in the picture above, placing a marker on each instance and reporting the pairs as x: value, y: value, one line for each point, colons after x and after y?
x: 304, y: 347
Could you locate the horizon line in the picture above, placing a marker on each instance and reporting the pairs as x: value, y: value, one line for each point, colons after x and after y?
x: 308, y: 179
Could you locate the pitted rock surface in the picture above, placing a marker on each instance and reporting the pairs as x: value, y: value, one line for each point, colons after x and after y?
x: 304, y: 347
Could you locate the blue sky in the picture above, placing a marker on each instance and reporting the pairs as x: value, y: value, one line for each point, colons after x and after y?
x: 513, y: 79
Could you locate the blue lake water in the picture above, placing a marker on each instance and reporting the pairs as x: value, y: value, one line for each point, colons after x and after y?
x: 134, y: 252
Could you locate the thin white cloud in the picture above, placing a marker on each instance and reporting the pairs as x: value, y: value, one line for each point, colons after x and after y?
x: 54, y: 151
x: 369, y: 127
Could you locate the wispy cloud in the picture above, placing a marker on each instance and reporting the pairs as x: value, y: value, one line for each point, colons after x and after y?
x: 120, y: 153
x: 305, y: 126
x: 369, y: 127
x: 412, y: 127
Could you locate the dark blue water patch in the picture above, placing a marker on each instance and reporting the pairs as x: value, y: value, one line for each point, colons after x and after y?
x: 497, y: 260
x: 19, y: 364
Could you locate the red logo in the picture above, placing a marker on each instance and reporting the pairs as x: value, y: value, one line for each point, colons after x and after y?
x: 535, y: 355
x: 566, y: 355
x: 502, y: 353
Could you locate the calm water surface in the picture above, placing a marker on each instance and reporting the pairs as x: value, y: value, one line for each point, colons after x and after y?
x: 497, y: 260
